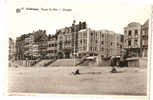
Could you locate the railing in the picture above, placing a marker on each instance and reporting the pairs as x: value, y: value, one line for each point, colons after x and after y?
x: 35, y: 62
x: 50, y: 62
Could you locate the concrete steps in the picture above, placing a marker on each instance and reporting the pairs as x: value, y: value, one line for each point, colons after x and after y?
x: 88, y: 63
x: 42, y: 63
x: 50, y: 62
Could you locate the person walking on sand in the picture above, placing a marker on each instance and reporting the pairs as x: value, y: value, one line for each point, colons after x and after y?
x: 113, y: 64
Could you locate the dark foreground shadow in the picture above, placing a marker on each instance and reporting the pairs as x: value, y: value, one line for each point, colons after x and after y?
x: 117, y: 72
x: 94, y: 73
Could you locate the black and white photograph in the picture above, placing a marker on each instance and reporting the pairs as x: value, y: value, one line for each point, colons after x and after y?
x: 79, y: 48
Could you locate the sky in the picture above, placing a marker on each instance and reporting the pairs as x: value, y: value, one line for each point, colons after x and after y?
x: 98, y: 15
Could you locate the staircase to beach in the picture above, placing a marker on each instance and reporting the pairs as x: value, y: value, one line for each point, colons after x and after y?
x: 50, y: 62
x: 87, y: 63
x: 42, y: 63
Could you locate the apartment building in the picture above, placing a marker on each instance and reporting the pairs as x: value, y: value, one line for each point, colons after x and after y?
x: 21, y: 47
x: 144, y: 38
x: 41, y: 40
x: 52, y: 47
x: 12, y: 49
x: 35, y: 51
x: 32, y: 45
x: 28, y: 46
x: 67, y: 40
x: 132, y: 39
x: 136, y: 43
x: 110, y: 43
x: 99, y: 42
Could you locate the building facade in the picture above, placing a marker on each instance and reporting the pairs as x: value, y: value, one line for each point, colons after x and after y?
x: 67, y: 40
x: 132, y: 39
x: 144, y: 38
x: 42, y: 45
x: 28, y: 46
x: 32, y: 45
x: 52, y: 47
x: 20, y: 47
x: 99, y: 42
x: 12, y: 49
x: 35, y: 51
x: 136, y: 43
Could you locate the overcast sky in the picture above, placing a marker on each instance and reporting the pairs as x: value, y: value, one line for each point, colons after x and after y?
x: 98, y: 15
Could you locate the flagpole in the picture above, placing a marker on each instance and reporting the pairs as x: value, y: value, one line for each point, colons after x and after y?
x: 74, y: 41
x: 74, y: 47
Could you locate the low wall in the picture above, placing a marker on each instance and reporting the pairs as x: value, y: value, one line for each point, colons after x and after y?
x: 133, y: 63
x: 143, y: 62
x: 137, y: 62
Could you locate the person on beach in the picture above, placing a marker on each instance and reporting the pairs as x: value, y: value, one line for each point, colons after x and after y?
x: 77, y: 72
x: 113, y: 64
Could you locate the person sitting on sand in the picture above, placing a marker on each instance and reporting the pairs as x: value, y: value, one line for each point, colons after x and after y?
x: 113, y: 64
x: 77, y: 72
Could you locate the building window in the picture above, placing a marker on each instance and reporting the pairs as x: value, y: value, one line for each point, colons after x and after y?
x: 102, y: 35
x: 49, y: 45
x: 122, y: 38
x: 129, y: 43
x: 135, y: 42
x: 102, y: 49
x: 130, y: 32
x: 121, y: 46
x: 84, y: 41
x: 96, y: 41
x: 81, y: 41
x: 136, y: 32
x: 102, y: 42
x: 91, y: 34
x: 52, y: 45
x: 111, y: 43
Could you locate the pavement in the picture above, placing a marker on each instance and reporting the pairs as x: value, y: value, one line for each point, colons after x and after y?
x: 92, y: 80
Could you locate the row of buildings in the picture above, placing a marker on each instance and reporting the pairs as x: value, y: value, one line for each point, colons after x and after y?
x: 31, y: 46
x: 79, y: 40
